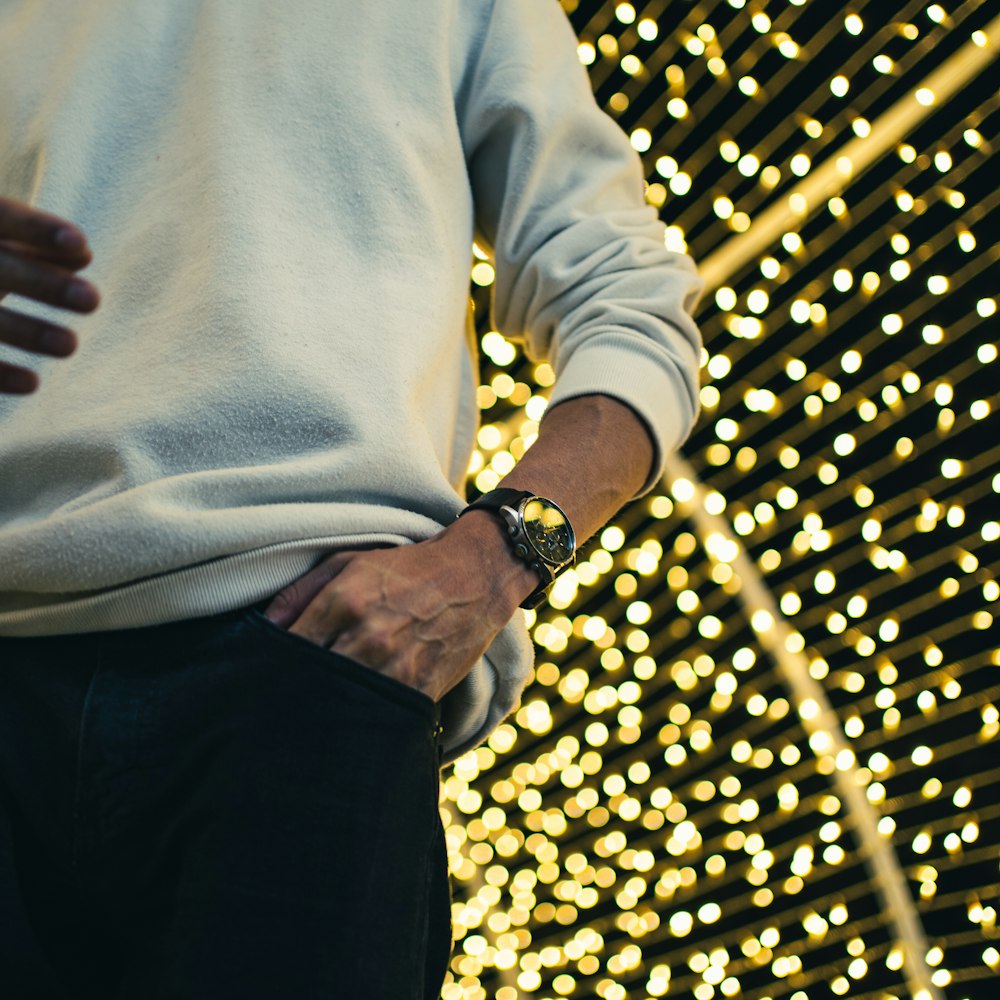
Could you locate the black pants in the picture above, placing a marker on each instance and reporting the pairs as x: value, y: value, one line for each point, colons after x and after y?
x: 215, y: 809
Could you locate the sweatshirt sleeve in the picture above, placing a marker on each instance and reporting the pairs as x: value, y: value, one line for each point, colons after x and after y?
x: 583, y: 277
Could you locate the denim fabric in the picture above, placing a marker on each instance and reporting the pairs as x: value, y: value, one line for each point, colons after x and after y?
x: 212, y: 809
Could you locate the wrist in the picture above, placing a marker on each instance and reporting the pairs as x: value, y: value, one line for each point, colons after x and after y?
x: 483, y: 538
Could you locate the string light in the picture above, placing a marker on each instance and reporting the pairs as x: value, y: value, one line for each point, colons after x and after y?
x: 655, y: 819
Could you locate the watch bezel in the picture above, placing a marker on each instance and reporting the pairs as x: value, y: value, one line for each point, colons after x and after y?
x: 522, y: 524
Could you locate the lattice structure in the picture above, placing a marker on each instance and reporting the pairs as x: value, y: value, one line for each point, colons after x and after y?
x: 672, y: 812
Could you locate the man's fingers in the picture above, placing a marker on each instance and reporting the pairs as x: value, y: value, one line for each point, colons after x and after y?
x: 288, y: 604
x: 26, y: 224
x: 39, y: 254
x: 18, y: 381
x: 45, y: 283
x: 70, y: 260
x: 31, y: 334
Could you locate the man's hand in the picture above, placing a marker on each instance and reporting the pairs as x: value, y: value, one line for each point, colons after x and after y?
x: 423, y: 614
x: 35, y: 265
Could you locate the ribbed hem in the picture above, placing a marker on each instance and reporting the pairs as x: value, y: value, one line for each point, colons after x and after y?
x: 194, y: 592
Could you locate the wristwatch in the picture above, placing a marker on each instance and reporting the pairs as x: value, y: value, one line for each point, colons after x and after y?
x: 539, y: 533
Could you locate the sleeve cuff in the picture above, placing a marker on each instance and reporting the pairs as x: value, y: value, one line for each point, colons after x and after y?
x: 617, y: 364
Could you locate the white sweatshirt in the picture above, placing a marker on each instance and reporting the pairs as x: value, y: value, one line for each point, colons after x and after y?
x: 281, y: 201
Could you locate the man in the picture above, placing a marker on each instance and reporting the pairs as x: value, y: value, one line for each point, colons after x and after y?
x: 241, y: 624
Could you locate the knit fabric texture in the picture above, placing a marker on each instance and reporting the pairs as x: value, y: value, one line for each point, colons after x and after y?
x: 281, y: 201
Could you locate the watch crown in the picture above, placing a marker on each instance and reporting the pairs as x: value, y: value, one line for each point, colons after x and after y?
x: 520, y: 551
x: 511, y: 529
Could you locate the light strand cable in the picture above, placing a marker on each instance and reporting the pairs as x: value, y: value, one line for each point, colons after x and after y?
x: 826, y: 736
x: 830, y: 177
x: 812, y: 703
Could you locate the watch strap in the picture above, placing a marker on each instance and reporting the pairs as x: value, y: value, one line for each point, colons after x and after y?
x: 500, y: 497
x: 505, y: 497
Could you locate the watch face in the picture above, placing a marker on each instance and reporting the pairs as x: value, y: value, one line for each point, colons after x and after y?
x: 548, y: 531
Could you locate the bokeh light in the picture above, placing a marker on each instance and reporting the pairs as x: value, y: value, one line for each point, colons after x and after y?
x: 663, y: 816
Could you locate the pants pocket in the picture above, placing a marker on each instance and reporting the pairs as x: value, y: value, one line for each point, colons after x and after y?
x: 379, y: 683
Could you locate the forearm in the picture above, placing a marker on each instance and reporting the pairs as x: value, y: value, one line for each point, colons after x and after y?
x: 591, y: 457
